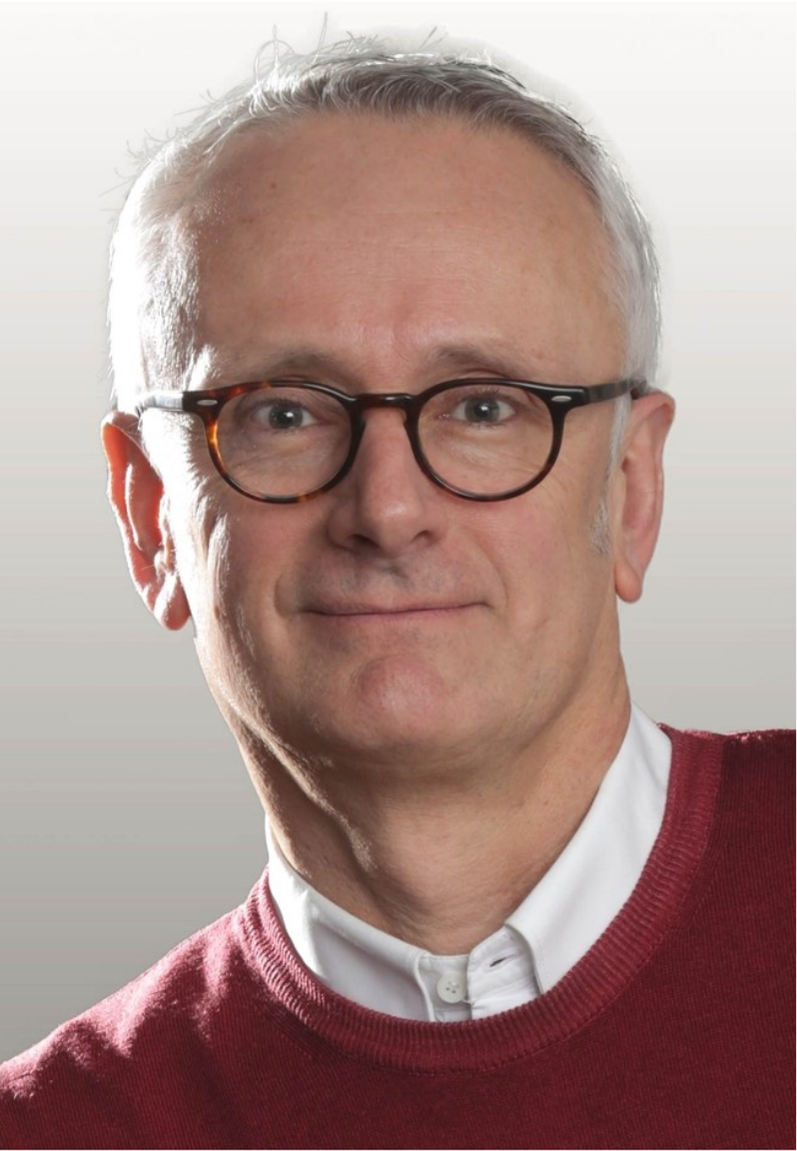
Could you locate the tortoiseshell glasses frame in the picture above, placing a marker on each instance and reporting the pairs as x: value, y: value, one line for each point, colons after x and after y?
x: 558, y: 400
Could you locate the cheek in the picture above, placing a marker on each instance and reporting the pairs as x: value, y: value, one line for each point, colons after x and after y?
x: 210, y: 565
x: 239, y: 562
x: 198, y: 513
x: 202, y: 514
x: 556, y: 576
x: 202, y: 543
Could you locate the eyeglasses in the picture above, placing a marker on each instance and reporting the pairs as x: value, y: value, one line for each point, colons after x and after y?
x: 482, y: 439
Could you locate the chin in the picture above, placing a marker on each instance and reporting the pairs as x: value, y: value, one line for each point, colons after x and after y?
x: 393, y: 706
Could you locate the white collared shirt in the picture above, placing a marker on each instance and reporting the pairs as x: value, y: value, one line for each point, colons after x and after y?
x: 554, y: 926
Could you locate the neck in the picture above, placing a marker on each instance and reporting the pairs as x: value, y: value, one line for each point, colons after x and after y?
x: 440, y: 860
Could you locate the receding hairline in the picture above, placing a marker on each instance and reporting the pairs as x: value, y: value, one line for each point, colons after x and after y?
x: 210, y: 201
x: 196, y: 203
x: 364, y: 82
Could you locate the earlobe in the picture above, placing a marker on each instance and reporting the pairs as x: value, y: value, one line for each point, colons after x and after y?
x: 135, y: 491
x: 641, y: 492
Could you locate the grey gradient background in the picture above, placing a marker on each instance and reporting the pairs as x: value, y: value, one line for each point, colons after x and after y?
x: 126, y: 817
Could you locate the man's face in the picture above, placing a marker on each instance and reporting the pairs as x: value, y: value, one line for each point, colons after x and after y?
x: 388, y: 618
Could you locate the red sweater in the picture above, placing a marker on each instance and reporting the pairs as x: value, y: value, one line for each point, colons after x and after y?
x: 672, y: 1032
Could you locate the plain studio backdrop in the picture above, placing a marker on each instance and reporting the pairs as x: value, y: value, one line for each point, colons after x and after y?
x: 127, y: 820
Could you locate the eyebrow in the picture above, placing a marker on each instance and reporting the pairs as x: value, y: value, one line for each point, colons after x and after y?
x: 492, y: 356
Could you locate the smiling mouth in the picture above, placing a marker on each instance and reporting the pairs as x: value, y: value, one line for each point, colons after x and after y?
x: 355, y: 612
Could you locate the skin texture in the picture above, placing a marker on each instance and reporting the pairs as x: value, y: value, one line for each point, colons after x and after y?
x: 427, y: 691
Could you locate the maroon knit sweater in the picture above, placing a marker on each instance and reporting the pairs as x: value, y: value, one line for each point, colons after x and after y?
x: 672, y: 1032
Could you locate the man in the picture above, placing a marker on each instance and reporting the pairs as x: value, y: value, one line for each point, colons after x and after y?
x: 384, y: 339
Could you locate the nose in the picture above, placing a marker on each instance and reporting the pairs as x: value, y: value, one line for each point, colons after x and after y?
x: 386, y: 505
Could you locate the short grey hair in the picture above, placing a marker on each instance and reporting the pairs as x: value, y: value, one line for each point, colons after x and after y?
x: 151, y: 273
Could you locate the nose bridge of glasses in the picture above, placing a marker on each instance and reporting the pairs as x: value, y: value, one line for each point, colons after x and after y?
x: 402, y: 401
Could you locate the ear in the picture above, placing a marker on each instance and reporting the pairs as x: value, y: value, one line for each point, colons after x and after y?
x: 135, y: 491
x: 641, y: 487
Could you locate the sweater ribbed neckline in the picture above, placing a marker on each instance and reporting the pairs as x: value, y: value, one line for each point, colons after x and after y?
x: 588, y: 988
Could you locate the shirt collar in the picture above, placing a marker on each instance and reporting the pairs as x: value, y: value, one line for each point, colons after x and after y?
x: 587, y: 885
x: 554, y: 926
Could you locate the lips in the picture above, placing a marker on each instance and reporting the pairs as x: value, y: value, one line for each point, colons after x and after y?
x: 357, y: 609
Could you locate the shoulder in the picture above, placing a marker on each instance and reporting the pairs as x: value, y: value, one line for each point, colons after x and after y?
x: 774, y: 747
x: 754, y: 772
x: 79, y: 1073
x: 735, y: 793
x: 767, y: 754
x: 758, y: 789
x: 750, y: 822
x: 182, y: 977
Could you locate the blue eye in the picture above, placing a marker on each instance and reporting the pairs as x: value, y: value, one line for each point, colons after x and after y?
x: 277, y: 415
x: 285, y: 417
x: 483, y: 409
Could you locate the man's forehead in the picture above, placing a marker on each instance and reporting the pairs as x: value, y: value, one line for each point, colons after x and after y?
x: 269, y: 229
x: 490, y: 352
x: 268, y: 164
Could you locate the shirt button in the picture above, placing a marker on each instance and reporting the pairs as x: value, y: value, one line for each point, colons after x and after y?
x: 451, y: 987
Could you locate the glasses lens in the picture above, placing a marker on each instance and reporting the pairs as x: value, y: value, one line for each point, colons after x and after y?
x: 282, y: 441
x: 485, y: 438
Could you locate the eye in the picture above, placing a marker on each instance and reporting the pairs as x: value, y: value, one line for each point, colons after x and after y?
x: 483, y: 408
x: 279, y: 415
x: 284, y: 416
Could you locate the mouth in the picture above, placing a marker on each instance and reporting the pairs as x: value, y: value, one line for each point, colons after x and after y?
x: 354, y: 612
